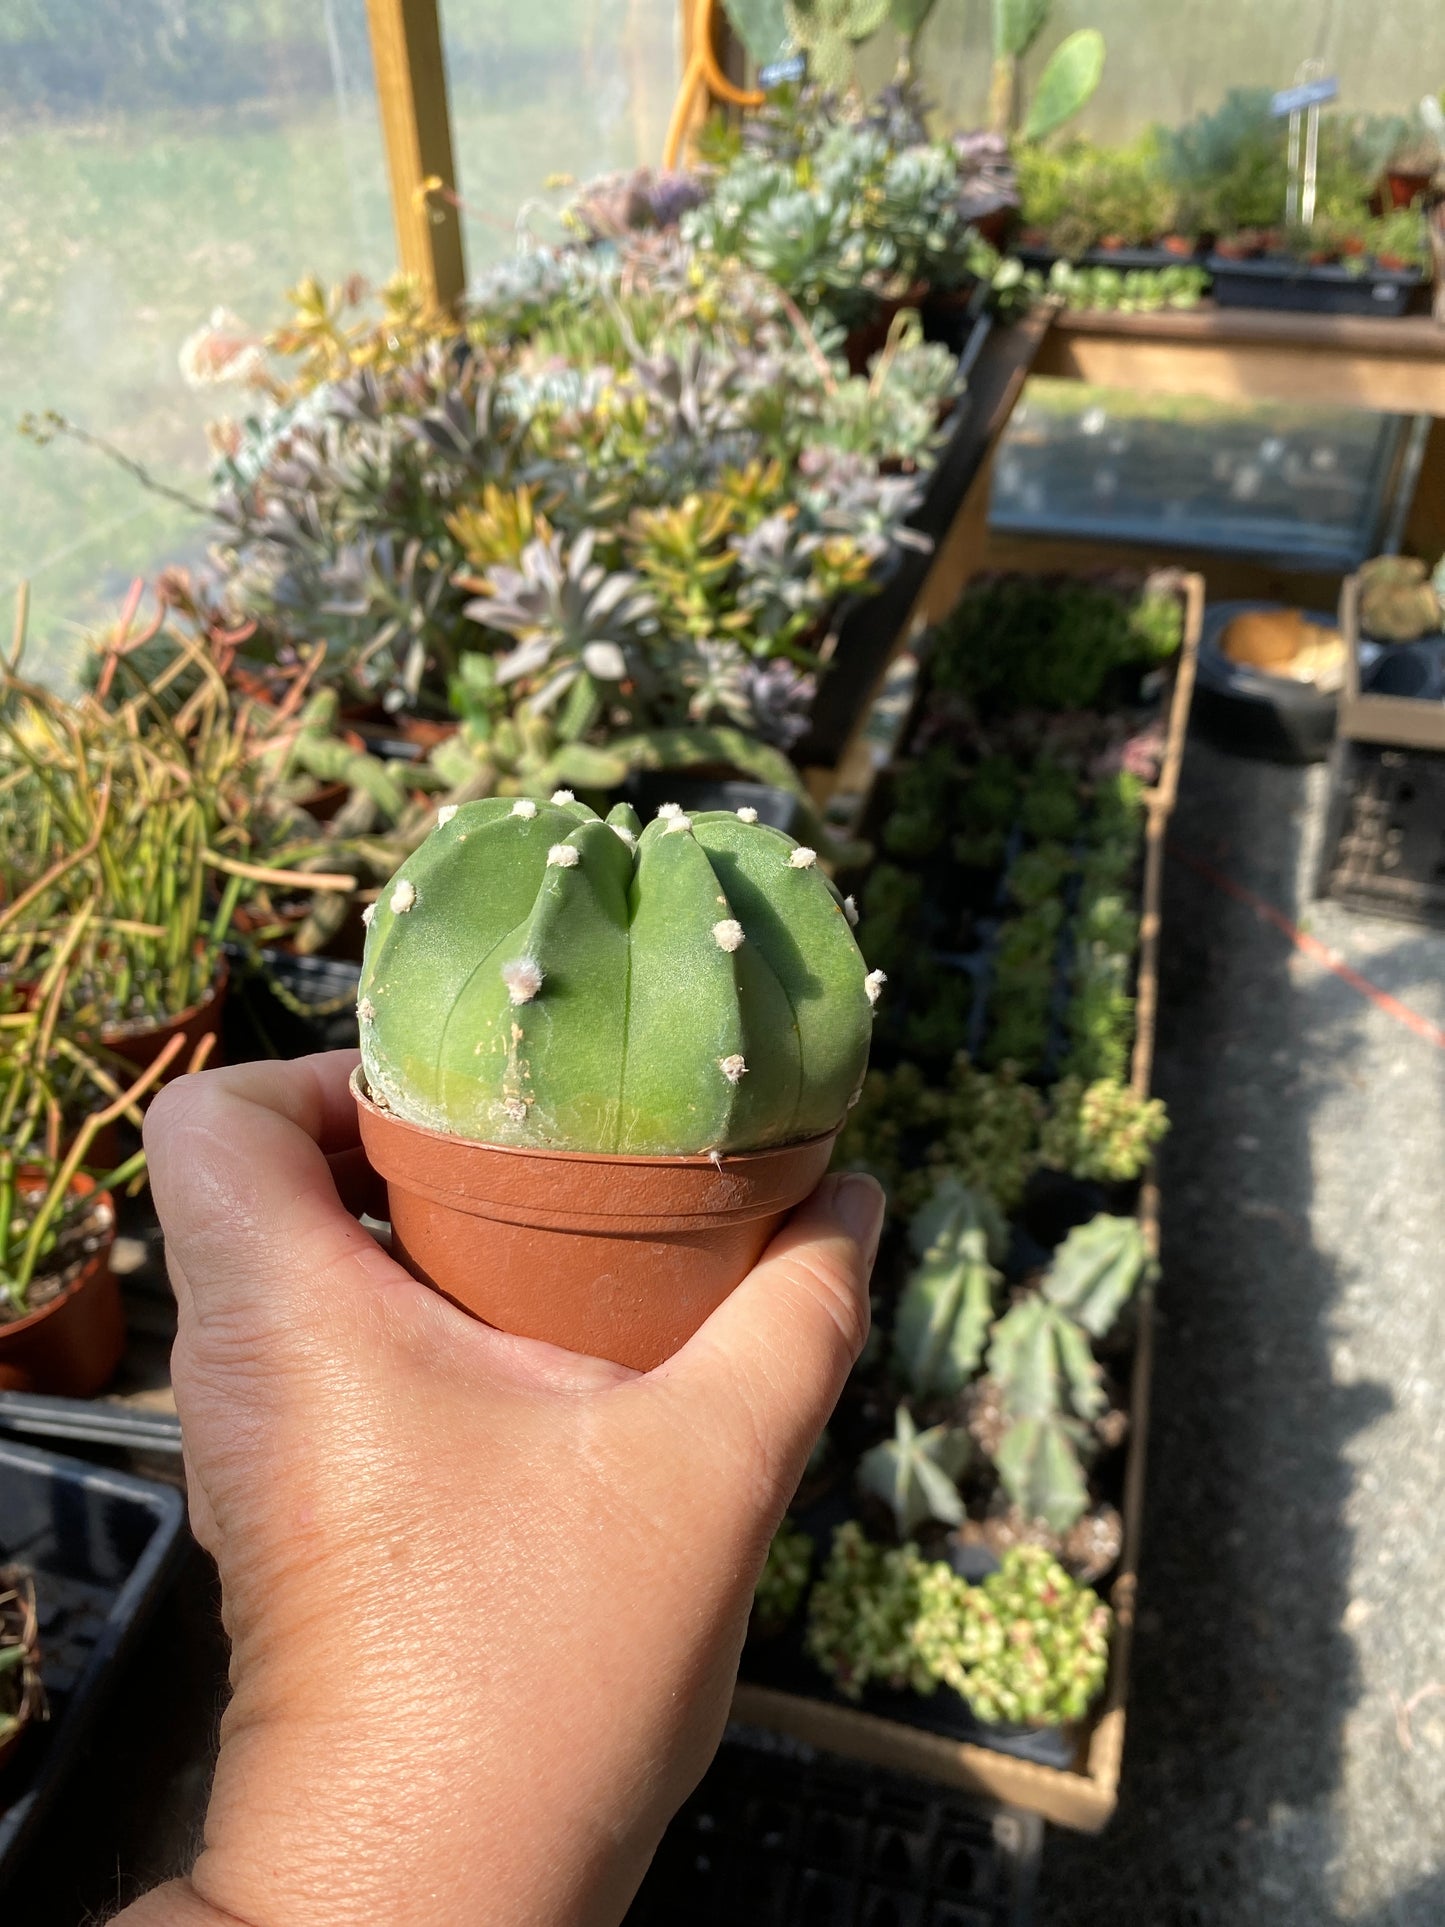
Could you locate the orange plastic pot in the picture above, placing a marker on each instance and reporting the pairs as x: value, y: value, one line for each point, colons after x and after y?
x: 72, y: 1346
x: 618, y: 1257
x: 142, y: 1047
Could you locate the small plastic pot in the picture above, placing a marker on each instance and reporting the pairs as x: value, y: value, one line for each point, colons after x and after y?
x: 142, y: 1047
x: 617, y: 1257
x: 72, y: 1346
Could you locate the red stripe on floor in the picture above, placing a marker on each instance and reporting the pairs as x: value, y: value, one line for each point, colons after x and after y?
x: 1311, y: 947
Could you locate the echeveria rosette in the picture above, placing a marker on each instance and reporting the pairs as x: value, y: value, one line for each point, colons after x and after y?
x: 535, y: 976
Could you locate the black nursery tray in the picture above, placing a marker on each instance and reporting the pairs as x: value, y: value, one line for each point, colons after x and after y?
x: 777, y: 1837
x: 1126, y: 260
x: 101, y: 1546
x: 1384, y: 841
x: 1305, y: 289
x: 289, y: 1006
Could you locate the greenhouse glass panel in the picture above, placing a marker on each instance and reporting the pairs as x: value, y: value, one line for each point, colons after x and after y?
x: 545, y: 95
x: 158, y: 159
x: 1302, y: 487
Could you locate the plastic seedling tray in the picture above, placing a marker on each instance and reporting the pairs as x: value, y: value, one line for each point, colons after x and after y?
x: 781, y: 1838
x: 1384, y: 842
x: 101, y: 1546
x: 1306, y: 289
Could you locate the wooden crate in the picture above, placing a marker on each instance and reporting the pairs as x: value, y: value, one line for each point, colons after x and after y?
x: 1402, y: 722
x: 1084, y: 1795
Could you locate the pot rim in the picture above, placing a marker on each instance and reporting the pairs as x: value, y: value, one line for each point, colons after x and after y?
x: 84, y: 1185
x: 667, y: 1160
x: 127, y: 1034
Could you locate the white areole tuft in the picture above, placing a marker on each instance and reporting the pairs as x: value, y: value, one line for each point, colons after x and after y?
x: 747, y: 814
x: 850, y: 911
x: 446, y: 813
x: 728, y: 935
x: 563, y: 856
x: 676, y: 823
x: 525, y: 808
x: 873, y: 983
x: 523, y: 979
x: 563, y: 796
x: 802, y: 858
x: 403, y: 897
x: 733, y: 1068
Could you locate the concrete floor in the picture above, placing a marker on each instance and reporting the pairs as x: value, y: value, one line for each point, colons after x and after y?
x: 1286, y: 1753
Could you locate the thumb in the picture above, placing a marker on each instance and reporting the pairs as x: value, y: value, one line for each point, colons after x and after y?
x: 761, y: 1378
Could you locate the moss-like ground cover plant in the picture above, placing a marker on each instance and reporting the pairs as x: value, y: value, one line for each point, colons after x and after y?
x: 538, y: 977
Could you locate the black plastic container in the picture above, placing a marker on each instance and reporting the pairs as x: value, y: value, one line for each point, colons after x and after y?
x: 777, y: 1836
x: 1251, y: 712
x: 1303, y: 288
x: 1383, y: 849
x: 289, y: 1006
x: 101, y: 1546
x: 1126, y: 260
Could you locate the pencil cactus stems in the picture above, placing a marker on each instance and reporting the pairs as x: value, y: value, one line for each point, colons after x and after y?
x: 947, y: 1305
x: 914, y: 1473
x: 542, y: 978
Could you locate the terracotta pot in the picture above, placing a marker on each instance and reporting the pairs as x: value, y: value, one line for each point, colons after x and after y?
x: 1404, y: 188
x: 72, y: 1346
x: 1180, y: 244
x: 142, y: 1047
x: 425, y: 732
x: 618, y: 1257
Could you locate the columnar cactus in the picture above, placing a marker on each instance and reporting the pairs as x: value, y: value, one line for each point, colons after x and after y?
x: 535, y: 976
x: 947, y: 1304
x: 913, y: 1473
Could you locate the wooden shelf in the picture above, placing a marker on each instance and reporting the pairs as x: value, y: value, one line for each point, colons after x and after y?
x: 1243, y: 354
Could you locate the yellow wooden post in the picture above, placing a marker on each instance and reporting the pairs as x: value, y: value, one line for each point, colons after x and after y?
x: 411, y: 89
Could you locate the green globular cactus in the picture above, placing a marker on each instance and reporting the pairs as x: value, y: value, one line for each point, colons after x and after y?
x: 535, y: 976
x: 914, y: 1473
x: 782, y: 1581
x: 1050, y: 1664
x: 947, y: 1305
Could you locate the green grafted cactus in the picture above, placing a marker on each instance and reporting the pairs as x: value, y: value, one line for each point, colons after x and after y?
x: 1097, y: 1270
x: 947, y: 1305
x: 537, y: 977
x: 914, y: 1473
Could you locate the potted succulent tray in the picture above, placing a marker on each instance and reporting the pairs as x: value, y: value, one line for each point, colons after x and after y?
x: 1393, y: 627
x: 1055, y: 1748
x: 1312, y: 287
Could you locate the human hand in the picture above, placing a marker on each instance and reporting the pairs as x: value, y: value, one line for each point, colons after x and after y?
x: 485, y: 1598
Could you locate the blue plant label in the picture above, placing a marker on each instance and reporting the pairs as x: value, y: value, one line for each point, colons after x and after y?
x: 782, y: 73
x: 1310, y: 93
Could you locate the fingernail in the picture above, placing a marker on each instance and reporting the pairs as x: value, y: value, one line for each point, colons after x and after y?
x: 858, y: 1206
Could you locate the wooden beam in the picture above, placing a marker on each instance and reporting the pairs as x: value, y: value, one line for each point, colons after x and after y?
x: 411, y: 90
x: 1393, y: 366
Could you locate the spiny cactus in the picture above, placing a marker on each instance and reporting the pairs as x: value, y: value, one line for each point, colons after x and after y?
x: 535, y: 976
x: 913, y: 1473
x: 1046, y: 1374
x: 828, y: 31
x: 947, y: 1304
x: 780, y: 1585
x: 1054, y: 1655
x: 1097, y: 1270
x: 1038, y: 1465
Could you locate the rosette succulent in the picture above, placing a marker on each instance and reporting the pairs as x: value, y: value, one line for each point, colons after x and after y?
x: 535, y: 976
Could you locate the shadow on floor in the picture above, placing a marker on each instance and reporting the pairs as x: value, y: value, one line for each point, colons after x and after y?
x: 1244, y: 1670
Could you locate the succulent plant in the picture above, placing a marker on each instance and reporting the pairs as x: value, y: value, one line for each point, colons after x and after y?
x: 1102, y: 1131
x: 861, y: 1615
x: 783, y: 1579
x: 1053, y: 1658
x: 829, y: 30
x: 536, y: 976
x: 1398, y: 601
x: 947, y: 1304
x: 1097, y: 1270
x: 914, y: 1473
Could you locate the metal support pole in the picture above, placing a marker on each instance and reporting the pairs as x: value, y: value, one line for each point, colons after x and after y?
x: 411, y: 89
